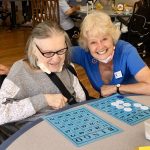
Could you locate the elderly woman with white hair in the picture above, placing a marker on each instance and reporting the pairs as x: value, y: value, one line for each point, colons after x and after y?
x: 112, y: 65
x: 27, y: 92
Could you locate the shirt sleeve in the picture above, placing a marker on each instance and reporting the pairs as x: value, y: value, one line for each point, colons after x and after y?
x: 77, y: 55
x: 64, y: 5
x: 134, y: 61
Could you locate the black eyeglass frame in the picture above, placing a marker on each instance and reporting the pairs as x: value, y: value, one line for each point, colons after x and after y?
x: 51, y: 54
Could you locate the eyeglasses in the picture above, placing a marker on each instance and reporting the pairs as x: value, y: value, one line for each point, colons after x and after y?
x: 51, y: 54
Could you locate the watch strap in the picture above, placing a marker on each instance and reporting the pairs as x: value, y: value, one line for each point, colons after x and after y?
x: 118, y: 91
x: 118, y: 86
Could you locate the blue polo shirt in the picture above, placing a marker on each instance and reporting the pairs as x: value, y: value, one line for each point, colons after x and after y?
x: 126, y: 63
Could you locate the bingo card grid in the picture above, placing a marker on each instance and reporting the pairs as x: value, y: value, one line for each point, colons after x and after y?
x: 122, y: 108
x: 81, y: 126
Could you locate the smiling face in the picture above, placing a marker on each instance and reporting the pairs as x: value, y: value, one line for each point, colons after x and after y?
x: 52, y: 62
x: 101, y: 47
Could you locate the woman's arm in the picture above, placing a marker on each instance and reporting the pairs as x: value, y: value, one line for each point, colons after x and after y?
x: 72, y: 9
x: 67, y: 9
x: 12, y: 109
x: 143, y: 85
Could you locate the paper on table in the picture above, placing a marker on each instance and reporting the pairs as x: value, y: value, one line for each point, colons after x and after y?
x: 147, y: 129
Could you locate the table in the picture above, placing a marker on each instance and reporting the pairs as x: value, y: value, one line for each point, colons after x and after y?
x: 74, y: 2
x: 106, y: 9
x: 40, y: 135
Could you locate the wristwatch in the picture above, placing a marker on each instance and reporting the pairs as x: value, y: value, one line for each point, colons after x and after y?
x: 118, y: 86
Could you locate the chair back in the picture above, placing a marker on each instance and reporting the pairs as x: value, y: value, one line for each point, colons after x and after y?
x: 139, y: 22
x: 44, y: 10
x: 137, y: 5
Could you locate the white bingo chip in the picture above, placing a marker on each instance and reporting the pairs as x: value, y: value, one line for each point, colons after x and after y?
x: 127, y: 104
x: 144, y: 107
x: 114, y: 104
x: 120, y: 106
x: 137, y: 105
x: 127, y: 109
x: 119, y: 101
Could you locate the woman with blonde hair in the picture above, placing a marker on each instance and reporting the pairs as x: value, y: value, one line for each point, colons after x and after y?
x: 112, y: 65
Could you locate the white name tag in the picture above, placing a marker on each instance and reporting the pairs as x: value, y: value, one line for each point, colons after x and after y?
x: 118, y: 74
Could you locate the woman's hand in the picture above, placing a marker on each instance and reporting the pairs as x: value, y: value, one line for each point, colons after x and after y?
x: 107, y: 90
x: 56, y: 101
x: 4, y: 70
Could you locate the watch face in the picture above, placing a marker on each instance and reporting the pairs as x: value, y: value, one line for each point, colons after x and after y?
x: 118, y: 85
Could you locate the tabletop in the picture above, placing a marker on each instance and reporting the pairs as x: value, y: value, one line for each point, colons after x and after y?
x: 106, y: 9
x: 44, y: 134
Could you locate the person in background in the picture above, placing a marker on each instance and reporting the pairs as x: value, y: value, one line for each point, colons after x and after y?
x: 112, y: 65
x: 27, y: 92
x: 66, y: 21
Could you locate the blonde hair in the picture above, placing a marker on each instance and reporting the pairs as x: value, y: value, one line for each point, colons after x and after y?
x: 97, y: 23
x: 41, y: 31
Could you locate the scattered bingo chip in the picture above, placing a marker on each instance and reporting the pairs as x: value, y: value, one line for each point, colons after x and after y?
x: 127, y: 109
x: 120, y: 107
x: 119, y: 101
x: 137, y: 105
x: 127, y: 104
x: 144, y: 107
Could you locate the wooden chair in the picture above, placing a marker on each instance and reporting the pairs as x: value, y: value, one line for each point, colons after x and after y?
x: 44, y: 10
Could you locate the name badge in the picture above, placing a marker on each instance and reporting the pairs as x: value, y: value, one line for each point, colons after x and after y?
x: 118, y: 74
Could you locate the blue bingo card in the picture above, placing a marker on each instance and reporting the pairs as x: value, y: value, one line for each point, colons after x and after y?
x: 123, y: 108
x: 81, y: 126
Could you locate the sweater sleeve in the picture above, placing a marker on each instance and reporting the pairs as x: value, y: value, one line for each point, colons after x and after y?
x: 80, y: 95
x: 12, y: 109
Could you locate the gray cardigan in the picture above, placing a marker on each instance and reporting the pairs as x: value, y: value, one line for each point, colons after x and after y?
x: 22, y: 92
